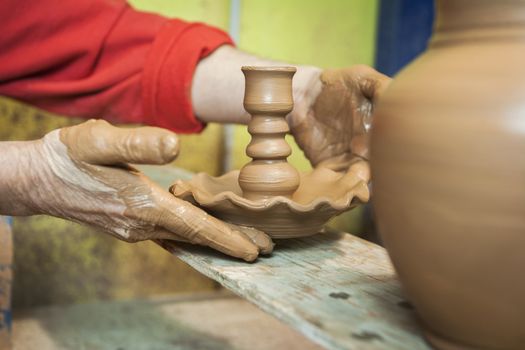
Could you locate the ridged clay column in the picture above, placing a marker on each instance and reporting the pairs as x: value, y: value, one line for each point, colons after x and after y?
x: 268, y: 98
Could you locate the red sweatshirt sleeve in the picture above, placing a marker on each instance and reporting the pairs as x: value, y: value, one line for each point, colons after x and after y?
x: 101, y: 58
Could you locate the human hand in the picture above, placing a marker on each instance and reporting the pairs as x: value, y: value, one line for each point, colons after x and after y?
x: 332, y: 117
x: 81, y: 174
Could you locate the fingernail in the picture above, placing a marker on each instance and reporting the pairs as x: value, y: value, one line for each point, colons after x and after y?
x: 264, y: 243
x: 170, y: 147
x: 251, y: 256
x: 268, y: 248
x: 247, y: 250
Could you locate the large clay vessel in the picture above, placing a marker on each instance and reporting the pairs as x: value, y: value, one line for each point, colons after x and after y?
x: 448, y: 174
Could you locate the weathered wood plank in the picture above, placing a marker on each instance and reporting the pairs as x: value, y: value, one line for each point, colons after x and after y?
x: 167, y: 323
x: 337, y: 289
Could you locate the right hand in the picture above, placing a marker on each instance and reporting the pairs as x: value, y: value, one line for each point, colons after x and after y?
x: 81, y: 174
x: 332, y: 118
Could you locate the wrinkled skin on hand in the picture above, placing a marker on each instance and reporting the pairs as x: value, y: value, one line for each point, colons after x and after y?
x: 81, y: 173
x: 333, y: 127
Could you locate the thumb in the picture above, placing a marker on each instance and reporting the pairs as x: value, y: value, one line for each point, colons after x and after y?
x: 98, y: 142
x: 371, y: 82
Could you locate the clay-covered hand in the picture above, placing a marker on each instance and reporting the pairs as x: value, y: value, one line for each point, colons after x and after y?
x: 81, y: 173
x: 332, y: 118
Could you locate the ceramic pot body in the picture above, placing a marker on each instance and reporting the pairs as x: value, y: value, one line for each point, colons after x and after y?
x: 448, y: 167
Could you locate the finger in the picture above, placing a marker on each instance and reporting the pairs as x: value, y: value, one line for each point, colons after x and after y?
x: 381, y: 84
x: 359, y: 145
x: 263, y: 242
x: 356, y: 180
x: 371, y: 83
x: 354, y: 167
x: 196, y: 226
x: 98, y: 142
x: 161, y: 233
x: 360, y: 169
x: 259, y: 238
x: 338, y: 163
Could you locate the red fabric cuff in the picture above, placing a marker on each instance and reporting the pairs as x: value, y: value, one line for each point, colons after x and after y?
x: 169, y: 70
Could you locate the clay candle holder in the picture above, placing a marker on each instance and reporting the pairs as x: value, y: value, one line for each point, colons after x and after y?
x: 268, y: 193
x: 268, y: 98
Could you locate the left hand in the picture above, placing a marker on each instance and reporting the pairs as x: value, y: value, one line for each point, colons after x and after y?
x: 82, y: 173
x: 332, y: 119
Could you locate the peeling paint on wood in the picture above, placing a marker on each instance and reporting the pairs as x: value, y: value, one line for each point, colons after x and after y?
x: 335, y: 288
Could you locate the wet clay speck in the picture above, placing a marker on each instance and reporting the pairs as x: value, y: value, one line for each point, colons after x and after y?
x: 448, y: 168
x: 268, y: 193
x: 367, y: 336
x: 339, y: 295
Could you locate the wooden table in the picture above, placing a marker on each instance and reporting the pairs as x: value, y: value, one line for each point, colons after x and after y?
x: 335, y: 288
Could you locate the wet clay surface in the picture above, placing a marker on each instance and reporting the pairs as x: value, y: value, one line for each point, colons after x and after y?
x: 321, y: 195
x: 268, y: 193
x: 268, y: 99
x: 448, y: 169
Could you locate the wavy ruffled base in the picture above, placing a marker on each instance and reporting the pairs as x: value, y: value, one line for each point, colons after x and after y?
x: 322, y: 194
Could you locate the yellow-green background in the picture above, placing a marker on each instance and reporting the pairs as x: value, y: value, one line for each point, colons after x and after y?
x: 59, y: 262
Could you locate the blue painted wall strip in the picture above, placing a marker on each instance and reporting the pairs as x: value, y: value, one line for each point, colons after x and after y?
x: 404, y: 29
x: 5, y: 278
x: 5, y: 320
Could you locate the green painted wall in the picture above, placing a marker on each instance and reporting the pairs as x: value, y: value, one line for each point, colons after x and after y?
x: 329, y: 33
x: 214, y: 12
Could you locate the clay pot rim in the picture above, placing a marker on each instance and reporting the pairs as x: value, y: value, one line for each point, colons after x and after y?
x: 192, y: 189
x: 287, y: 69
